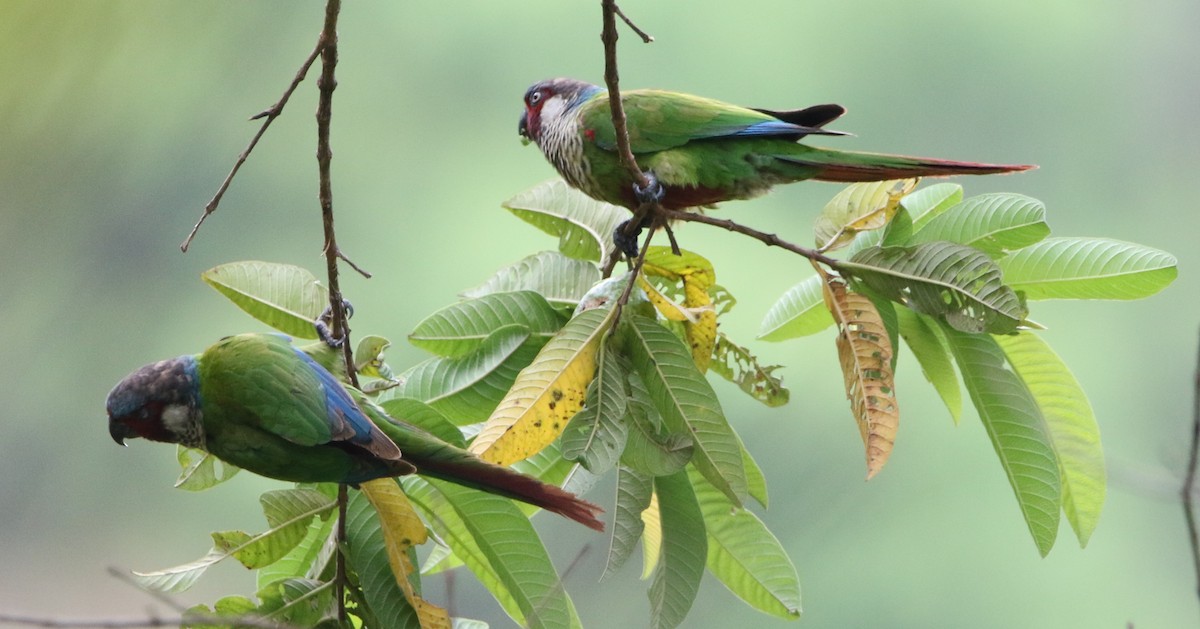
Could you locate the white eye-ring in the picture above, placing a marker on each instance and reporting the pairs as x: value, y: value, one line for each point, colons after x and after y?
x: 535, y: 98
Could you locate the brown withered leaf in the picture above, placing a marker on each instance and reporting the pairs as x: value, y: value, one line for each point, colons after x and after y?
x: 865, y: 352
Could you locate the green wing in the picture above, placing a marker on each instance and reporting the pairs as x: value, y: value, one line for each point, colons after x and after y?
x: 259, y: 379
x: 660, y: 120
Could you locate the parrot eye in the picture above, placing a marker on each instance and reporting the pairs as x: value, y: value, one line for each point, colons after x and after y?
x: 535, y: 98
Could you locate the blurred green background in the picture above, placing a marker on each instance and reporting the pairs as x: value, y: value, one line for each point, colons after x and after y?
x: 119, y: 119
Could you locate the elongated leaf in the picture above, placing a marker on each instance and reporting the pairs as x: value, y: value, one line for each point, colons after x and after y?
x: 993, y: 223
x: 285, y: 297
x: 1017, y: 429
x: 798, y: 312
x: 596, y: 435
x: 651, y: 537
x: 1088, y: 268
x: 755, y: 480
x: 466, y: 389
x: 958, y: 284
x: 686, y: 403
x: 698, y: 277
x: 929, y: 202
x: 307, y: 560
x: 450, y: 527
x: 401, y: 529
x: 926, y: 344
x: 289, y: 513
x: 1072, y: 426
x: 201, y: 470
x: 547, y: 393
x: 857, y: 208
x: 297, y: 602
x: 460, y: 328
x: 562, y: 280
x: 745, y: 556
x: 583, y: 225
x: 737, y: 365
x: 634, y: 490
x: 865, y: 352
x: 421, y: 414
x: 513, y: 549
x: 367, y: 550
x: 676, y: 580
x: 650, y: 448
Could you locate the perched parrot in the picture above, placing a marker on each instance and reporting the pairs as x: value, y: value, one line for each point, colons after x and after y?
x: 697, y: 151
x: 258, y: 402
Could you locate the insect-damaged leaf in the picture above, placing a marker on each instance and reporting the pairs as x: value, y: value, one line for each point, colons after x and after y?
x: 865, y: 352
x: 859, y: 207
x: 697, y: 276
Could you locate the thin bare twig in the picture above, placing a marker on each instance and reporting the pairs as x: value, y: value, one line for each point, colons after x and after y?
x: 326, y: 84
x: 1189, y: 480
x: 270, y: 114
x: 646, y: 38
x: 771, y: 240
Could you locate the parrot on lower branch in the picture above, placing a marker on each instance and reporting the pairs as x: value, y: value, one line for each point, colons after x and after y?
x: 258, y: 402
x: 697, y: 151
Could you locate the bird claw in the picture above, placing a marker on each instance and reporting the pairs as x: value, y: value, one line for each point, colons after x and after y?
x: 323, y: 322
x: 627, y: 244
x: 652, y: 193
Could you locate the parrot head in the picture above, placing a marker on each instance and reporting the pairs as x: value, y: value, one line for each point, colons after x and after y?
x: 547, y: 102
x: 158, y: 402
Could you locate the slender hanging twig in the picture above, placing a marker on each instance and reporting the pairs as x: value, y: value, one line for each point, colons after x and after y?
x: 1188, y: 492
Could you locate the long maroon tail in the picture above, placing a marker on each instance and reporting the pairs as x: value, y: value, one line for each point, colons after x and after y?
x: 851, y: 166
x: 473, y: 472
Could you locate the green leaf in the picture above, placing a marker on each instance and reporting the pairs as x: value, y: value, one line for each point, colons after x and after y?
x: 800, y: 311
x: 512, y: 547
x: 368, y: 357
x: 745, y: 556
x: 929, y: 202
x: 596, y: 435
x: 451, y: 528
x: 993, y: 223
x: 955, y: 283
x: 467, y: 388
x: 755, y: 481
x: 367, y: 554
x: 297, y: 602
x: 288, y: 512
x: 684, y: 551
x: 201, y: 470
x: 859, y: 207
x: 285, y: 297
x: 927, y: 345
x: 1088, y: 268
x: 584, y: 226
x: 461, y: 328
x: 308, y: 559
x: 687, y: 403
x: 1072, y: 426
x: 737, y: 365
x: 633, y: 496
x: 562, y: 280
x: 1017, y: 429
x: 426, y: 417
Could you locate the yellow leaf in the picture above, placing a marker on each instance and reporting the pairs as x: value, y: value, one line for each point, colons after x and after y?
x: 651, y: 537
x: 402, y: 528
x: 857, y: 208
x: 547, y: 393
x: 865, y: 352
x: 670, y: 309
x: 697, y: 276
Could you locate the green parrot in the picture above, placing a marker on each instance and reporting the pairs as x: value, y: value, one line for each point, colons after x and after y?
x: 696, y: 151
x: 260, y: 403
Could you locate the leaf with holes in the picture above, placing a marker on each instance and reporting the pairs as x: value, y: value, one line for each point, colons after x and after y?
x: 865, y: 353
x: 955, y: 283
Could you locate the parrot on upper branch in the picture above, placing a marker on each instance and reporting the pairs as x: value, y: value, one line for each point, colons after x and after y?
x: 696, y: 151
x: 261, y: 404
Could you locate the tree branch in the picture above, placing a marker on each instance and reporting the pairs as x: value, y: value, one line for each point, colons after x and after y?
x: 270, y: 114
x: 326, y: 84
x: 771, y: 240
x: 1188, y: 492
